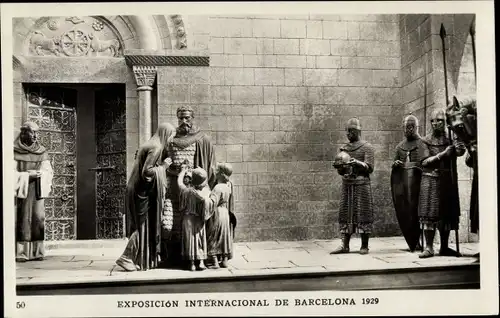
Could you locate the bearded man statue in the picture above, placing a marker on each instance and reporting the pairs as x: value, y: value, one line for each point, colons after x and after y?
x: 193, y: 148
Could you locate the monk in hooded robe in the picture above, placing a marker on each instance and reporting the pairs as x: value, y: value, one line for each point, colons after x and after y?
x: 144, y: 202
x: 33, y: 183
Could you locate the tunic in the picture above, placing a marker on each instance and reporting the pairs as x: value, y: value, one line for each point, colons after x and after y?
x: 439, y: 203
x: 195, y: 207
x: 199, y: 151
x: 219, y: 229
x: 30, y: 209
x: 356, y: 201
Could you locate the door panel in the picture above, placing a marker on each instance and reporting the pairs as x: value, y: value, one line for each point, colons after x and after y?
x: 111, y: 171
x: 53, y: 109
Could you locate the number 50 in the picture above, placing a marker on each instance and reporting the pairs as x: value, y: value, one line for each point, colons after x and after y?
x: 20, y: 305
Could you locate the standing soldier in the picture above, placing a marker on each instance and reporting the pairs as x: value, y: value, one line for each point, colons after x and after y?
x: 34, y: 182
x: 355, y: 162
x: 439, y: 205
x: 405, y: 182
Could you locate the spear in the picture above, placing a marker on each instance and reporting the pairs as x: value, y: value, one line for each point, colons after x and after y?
x: 422, y: 234
x: 442, y: 34
x: 472, y: 32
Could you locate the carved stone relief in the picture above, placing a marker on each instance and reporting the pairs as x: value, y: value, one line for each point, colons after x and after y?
x: 73, y: 37
x: 180, y: 31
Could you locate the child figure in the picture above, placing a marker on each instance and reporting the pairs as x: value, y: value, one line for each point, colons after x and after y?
x: 219, y: 227
x: 195, y: 206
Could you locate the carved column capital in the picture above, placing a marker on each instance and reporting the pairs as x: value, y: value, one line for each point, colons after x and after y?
x: 144, y: 75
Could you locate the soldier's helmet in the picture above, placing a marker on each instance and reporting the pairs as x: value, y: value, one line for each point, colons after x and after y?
x: 410, y: 119
x: 341, y: 159
x: 353, y: 123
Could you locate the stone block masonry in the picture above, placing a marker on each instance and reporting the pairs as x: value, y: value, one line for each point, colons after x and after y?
x: 275, y: 99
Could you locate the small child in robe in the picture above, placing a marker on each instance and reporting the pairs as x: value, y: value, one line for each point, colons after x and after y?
x: 194, y: 204
x: 219, y: 226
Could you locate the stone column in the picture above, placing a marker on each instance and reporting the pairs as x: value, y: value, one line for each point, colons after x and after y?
x: 145, y: 77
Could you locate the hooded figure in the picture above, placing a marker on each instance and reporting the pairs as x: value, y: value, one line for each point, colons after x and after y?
x: 144, y: 202
x: 33, y: 183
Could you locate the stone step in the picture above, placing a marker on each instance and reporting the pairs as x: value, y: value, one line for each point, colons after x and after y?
x: 464, y: 276
x: 72, y: 244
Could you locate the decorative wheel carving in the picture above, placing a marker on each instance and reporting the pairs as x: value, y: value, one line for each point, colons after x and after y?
x: 75, y: 43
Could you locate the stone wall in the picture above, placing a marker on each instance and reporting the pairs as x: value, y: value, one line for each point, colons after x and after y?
x: 275, y: 100
x: 423, y: 82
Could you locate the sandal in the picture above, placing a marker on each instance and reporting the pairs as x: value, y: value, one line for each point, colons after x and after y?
x: 426, y: 254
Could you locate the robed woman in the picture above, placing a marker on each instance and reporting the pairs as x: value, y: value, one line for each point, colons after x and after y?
x: 144, y: 202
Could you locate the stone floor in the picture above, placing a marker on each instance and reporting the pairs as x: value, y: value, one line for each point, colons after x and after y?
x: 93, y: 261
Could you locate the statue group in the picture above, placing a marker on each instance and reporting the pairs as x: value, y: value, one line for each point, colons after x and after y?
x: 180, y: 202
x: 424, y: 177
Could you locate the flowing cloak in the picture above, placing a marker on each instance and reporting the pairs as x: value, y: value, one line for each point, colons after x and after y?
x: 198, y: 149
x: 30, y: 209
x: 439, y: 203
x: 405, y: 186
x: 219, y: 229
x: 471, y: 161
x: 195, y: 206
x: 356, y: 200
x: 144, y: 205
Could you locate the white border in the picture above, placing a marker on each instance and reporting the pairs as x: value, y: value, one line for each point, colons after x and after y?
x: 483, y: 301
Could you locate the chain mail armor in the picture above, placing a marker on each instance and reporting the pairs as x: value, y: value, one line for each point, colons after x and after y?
x: 439, y: 203
x: 172, y: 222
x: 356, y: 201
x: 408, y: 151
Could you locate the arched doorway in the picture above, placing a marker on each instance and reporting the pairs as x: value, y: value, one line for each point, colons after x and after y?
x: 72, y: 79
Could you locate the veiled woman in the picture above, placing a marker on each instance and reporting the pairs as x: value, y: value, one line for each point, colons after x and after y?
x: 144, y: 202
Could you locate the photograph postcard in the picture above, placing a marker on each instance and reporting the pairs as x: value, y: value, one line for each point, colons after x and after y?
x: 249, y: 159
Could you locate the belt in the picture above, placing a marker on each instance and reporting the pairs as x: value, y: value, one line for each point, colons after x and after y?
x: 356, y: 180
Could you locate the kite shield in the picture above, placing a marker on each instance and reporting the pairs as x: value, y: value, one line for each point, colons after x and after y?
x: 405, y: 187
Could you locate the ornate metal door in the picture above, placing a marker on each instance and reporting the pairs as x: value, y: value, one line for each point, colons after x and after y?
x: 53, y: 109
x: 111, y: 171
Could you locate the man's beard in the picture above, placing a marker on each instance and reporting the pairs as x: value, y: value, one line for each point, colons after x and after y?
x: 184, y: 129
